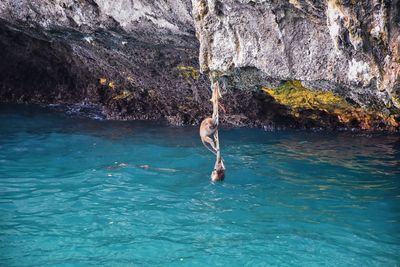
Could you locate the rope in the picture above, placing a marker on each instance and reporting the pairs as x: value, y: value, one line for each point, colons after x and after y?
x: 214, y: 99
x: 219, y: 168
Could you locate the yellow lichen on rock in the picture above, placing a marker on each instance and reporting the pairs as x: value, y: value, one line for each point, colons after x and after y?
x: 122, y: 95
x: 103, y: 81
x: 188, y: 72
x: 111, y: 84
x: 396, y: 101
x: 298, y: 98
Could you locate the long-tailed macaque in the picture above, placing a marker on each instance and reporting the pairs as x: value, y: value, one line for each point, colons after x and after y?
x: 207, y: 129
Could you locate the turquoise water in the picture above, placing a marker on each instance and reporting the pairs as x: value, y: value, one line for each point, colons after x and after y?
x: 73, y: 193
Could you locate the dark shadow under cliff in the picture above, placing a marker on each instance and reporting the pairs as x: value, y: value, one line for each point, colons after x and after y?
x: 127, y: 78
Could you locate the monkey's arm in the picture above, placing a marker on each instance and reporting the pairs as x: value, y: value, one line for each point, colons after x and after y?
x: 211, y: 142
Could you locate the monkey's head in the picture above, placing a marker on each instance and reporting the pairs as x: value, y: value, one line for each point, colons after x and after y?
x: 207, y: 127
x: 218, y: 175
x: 209, y: 122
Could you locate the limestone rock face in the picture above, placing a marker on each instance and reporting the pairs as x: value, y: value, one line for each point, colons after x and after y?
x: 349, y: 47
x: 168, y: 17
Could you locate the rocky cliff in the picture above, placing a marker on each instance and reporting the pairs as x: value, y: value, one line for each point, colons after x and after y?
x: 350, y: 48
x: 307, y: 64
x: 132, y: 59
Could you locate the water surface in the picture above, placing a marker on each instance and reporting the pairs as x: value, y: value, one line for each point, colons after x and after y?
x: 289, y: 199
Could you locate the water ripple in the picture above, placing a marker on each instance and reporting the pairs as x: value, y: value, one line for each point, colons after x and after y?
x: 74, y: 192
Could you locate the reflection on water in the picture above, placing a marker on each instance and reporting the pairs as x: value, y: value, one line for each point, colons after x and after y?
x: 349, y: 150
x: 75, y: 191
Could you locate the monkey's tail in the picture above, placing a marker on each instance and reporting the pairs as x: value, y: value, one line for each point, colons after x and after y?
x: 212, y: 151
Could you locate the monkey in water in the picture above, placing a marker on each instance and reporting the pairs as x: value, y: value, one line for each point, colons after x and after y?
x: 207, y: 129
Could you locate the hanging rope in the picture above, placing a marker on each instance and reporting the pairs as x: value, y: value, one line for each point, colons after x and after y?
x: 218, y: 173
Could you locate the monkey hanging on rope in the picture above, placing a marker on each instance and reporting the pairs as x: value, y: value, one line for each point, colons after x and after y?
x: 209, y: 127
